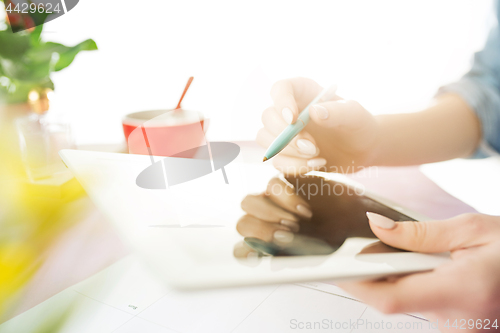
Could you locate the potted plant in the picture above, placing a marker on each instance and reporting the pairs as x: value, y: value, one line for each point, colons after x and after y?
x: 27, y: 61
x: 26, y: 64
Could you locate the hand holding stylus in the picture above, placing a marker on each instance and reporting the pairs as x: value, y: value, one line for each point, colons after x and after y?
x: 340, y: 136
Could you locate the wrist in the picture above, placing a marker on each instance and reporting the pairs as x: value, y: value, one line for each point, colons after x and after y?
x: 375, y: 153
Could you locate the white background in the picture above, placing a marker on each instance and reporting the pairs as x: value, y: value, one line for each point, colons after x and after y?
x: 389, y: 55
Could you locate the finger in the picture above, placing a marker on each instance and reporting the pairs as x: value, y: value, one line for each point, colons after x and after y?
x: 460, y: 232
x: 242, y: 251
x: 289, y: 165
x: 264, y: 209
x: 246, y: 255
x: 250, y: 226
x: 303, y: 145
x: 340, y: 114
x: 283, y: 97
x: 273, y: 121
x: 411, y: 293
x: 284, y: 196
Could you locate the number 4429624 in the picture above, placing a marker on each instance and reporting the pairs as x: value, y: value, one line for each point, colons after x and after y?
x: 472, y: 324
x: 26, y: 8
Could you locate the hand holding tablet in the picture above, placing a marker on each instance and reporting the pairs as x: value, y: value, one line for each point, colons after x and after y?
x: 467, y: 287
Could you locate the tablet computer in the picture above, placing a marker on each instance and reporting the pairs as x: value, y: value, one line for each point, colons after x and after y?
x: 187, y: 234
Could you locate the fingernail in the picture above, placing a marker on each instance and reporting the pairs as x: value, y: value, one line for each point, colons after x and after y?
x: 294, y: 226
x: 304, y: 210
x: 381, y: 221
x: 241, y: 250
x: 283, y: 236
x: 321, y: 111
x: 287, y: 115
x: 306, y: 147
x: 316, y: 162
x: 253, y: 255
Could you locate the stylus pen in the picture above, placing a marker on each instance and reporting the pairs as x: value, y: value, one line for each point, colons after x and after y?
x: 292, y: 130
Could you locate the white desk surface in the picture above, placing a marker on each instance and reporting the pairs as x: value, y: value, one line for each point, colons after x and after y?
x: 127, y: 298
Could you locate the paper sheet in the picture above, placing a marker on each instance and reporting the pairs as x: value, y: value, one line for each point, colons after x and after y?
x: 126, y: 298
x: 475, y: 182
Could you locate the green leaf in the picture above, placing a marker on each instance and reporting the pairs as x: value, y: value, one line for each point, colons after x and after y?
x: 41, y: 60
x: 26, y: 71
x: 35, y: 36
x: 44, y: 53
x: 14, y: 45
x: 67, y: 57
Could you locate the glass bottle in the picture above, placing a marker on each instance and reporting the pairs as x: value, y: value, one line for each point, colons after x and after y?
x: 41, y: 137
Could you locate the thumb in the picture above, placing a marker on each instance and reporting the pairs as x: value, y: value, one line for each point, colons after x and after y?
x: 348, y: 114
x: 460, y: 232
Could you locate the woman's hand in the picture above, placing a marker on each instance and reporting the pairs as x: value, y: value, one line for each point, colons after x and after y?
x: 466, y: 289
x: 340, y: 137
x: 343, y: 137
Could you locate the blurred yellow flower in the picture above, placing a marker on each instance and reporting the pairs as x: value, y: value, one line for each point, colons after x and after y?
x: 30, y: 223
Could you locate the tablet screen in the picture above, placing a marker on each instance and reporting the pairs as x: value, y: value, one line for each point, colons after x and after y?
x: 339, y: 212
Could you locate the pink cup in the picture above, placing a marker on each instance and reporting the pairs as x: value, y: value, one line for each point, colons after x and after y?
x: 164, y: 132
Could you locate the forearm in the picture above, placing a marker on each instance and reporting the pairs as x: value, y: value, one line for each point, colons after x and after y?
x: 448, y: 129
